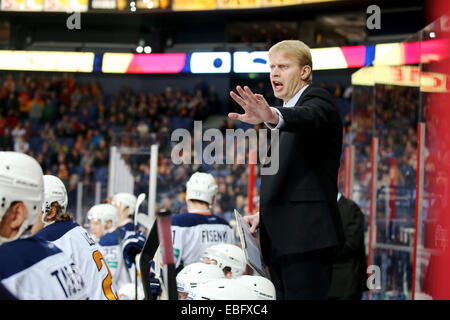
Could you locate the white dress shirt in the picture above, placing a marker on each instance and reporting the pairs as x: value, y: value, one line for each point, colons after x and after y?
x: 290, y: 103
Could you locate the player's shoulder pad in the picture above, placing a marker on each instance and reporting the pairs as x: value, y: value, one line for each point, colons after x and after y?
x: 127, y: 227
x: 21, y: 254
x: 56, y: 230
x: 192, y: 219
x: 109, y: 239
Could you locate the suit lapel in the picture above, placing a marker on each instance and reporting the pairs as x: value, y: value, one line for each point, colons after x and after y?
x: 303, y: 95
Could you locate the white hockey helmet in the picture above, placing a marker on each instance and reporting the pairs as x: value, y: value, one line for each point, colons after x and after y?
x: 222, y: 289
x: 104, y: 212
x: 128, y: 292
x: 21, y: 181
x: 54, y: 190
x: 201, y: 186
x: 126, y: 200
x: 263, y: 287
x: 196, y: 273
x: 227, y: 255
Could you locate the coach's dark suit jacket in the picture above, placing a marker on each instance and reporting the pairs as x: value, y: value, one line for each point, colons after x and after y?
x: 298, y: 204
x: 350, y: 263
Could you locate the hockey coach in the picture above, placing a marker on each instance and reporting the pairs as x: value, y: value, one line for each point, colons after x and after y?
x: 299, y: 221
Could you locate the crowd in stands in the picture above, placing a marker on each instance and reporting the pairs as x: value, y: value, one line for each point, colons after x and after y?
x: 394, y: 110
x: 69, y: 127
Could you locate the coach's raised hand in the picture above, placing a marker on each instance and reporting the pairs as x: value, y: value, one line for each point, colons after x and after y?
x: 256, y: 108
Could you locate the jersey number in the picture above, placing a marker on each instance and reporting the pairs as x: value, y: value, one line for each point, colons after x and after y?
x: 107, y: 290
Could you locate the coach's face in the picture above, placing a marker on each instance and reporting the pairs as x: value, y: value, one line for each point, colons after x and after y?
x: 285, y: 76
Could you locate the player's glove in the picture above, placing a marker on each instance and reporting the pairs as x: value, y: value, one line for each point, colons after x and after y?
x: 132, y: 245
x: 155, y: 286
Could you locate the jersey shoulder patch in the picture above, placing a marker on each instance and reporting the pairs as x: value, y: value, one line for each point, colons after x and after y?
x: 21, y: 254
x: 56, y: 230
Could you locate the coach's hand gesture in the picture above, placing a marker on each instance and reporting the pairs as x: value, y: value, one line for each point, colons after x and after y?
x: 256, y: 108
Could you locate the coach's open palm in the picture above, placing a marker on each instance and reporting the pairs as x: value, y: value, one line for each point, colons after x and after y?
x: 256, y: 108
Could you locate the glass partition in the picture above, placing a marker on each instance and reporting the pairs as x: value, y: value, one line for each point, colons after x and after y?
x: 400, y: 112
x: 432, y: 258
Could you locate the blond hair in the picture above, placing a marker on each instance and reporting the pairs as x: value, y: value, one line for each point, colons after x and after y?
x: 296, y: 50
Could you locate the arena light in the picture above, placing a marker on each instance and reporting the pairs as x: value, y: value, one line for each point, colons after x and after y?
x: 210, y: 62
x: 46, y: 61
x: 363, y: 77
x: 251, y: 62
x: 147, y: 49
x: 328, y: 58
x: 116, y: 62
x: 193, y: 5
x: 139, y: 49
x: 143, y: 63
x: 405, y: 76
x: 323, y: 59
x: 388, y: 54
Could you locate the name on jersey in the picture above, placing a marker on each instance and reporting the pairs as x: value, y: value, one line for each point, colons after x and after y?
x: 214, y: 236
x: 69, y: 279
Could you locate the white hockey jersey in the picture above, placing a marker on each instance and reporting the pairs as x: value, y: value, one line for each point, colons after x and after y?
x: 75, y: 241
x: 35, y: 269
x: 194, y: 232
x: 112, y: 251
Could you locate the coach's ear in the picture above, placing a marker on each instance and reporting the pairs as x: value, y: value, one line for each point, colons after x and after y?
x: 306, y: 72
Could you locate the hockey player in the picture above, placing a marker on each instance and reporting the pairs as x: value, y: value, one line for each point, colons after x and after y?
x: 228, y: 257
x: 69, y: 236
x: 125, y: 204
x: 223, y: 289
x: 117, y: 254
x: 195, y: 274
x: 31, y: 268
x: 121, y: 245
x: 102, y: 219
x: 263, y: 287
x: 198, y: 229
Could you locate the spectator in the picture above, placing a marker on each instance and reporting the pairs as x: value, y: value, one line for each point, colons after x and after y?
x: 12, y: 119
x: 18, y: 132
x: 36, y: 110
x: 12, y: 104
x: 100, y: 159
x: 142, y: 128
x: 6, y: 140
x: 49, y: 111
x: 87, y: 158
x: 21, y: 145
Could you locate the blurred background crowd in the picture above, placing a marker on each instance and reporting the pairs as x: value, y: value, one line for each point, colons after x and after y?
x: 69, y: 127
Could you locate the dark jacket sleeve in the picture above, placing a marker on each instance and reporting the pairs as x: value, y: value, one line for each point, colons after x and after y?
x: 353, y: 223
x: 315, y: 114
